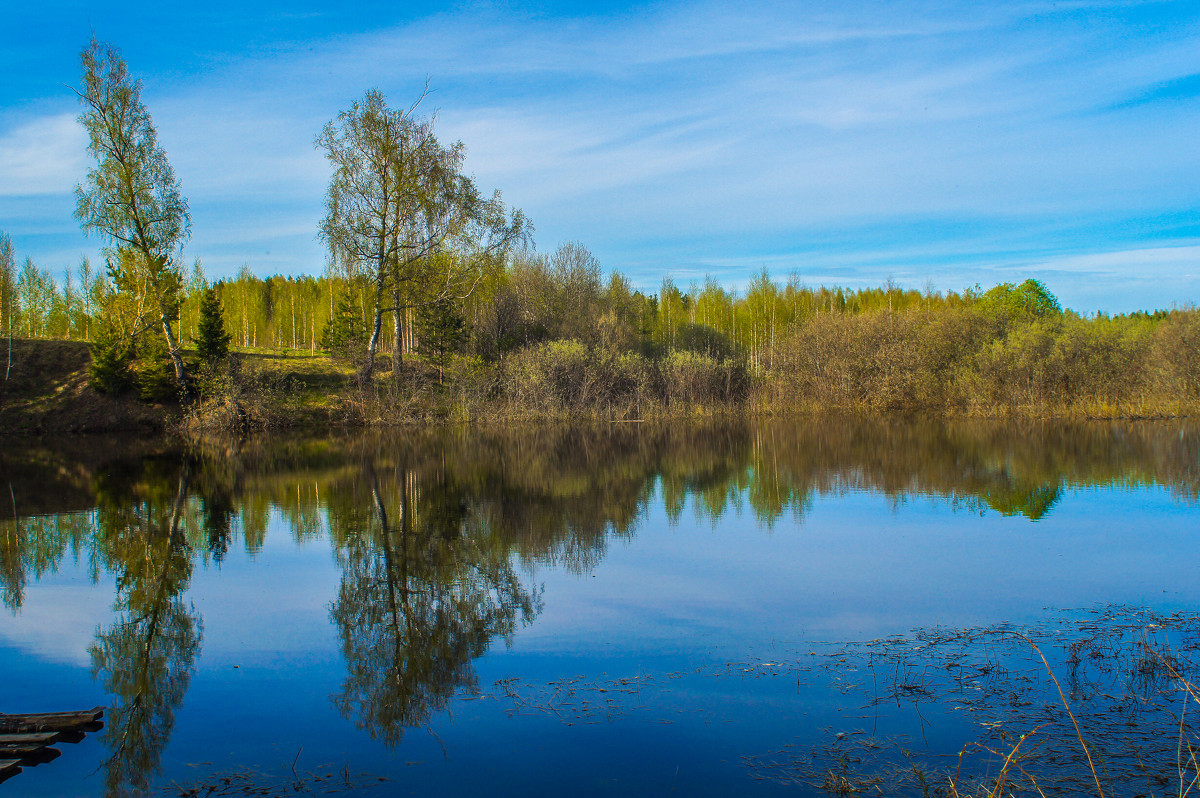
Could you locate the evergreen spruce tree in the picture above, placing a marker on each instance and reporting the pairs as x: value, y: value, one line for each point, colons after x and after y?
x: 440, y: 332
x: 212, y: 341
x: 155, y: 372
x: 112, y: 354
x: 344, y: 335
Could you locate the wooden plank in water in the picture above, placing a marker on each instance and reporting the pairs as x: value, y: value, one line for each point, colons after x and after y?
x: 45, y: 738
x: 9, y: 768
x: 49, y: 721
x: 81, y: 715
x: 77, y: 735
x: 17, y: 750
x: 35, y: 756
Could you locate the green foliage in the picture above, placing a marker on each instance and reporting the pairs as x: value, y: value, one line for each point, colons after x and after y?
x: 403, y: 216
x: 423, y: 592
x: 692, y: 378
x: 344, y: 336
x: 582, y: 343
x: 112, y: 355
x: 146, y: 655
x: 212, y: 341
x: 8, y: 287
x: 1030, y: 500
x: 1029, y: 300
x: 131, y: 196
x: 155, y: 377
x: 121, y: 361
x: 440, y: 332
x: 701, y: 339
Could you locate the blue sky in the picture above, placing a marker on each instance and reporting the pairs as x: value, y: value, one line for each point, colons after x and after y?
x: 930, y: 142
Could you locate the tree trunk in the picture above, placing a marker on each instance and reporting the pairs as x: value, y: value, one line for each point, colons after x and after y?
x: 372, y: 345
x: 398, y: 326
x: 176, y: 360
x: 8, y: 368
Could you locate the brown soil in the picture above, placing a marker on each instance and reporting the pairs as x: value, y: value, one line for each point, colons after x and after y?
x: 46, y: 393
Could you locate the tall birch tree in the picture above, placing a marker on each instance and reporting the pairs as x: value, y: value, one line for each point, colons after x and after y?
x: 131, y: 196
x: 401, y: 215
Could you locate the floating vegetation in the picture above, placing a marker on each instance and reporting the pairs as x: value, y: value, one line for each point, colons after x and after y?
x: 327, y: 779
x: 1094, y: 702
x: 1091, y: 702
x: 578, y: 699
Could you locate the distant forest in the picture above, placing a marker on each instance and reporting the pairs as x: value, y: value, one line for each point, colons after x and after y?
x: 547, y: 319
x: 530, y: 299
x: 428, y: 269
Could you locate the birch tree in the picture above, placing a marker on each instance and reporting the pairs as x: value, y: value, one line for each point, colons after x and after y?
x: 397, y: 198
x: 131, y: 196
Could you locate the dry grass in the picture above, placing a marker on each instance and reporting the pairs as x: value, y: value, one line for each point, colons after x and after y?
x: 1117, y: 723
x: 47, y: 392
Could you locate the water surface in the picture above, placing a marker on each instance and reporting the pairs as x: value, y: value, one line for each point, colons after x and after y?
x: 599, y: 611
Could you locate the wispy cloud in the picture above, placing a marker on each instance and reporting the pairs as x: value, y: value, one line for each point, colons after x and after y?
x: 44, y: 155
x: 58, y: 623
x: 879, y: 137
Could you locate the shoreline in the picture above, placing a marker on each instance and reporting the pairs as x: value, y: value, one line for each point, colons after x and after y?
x: 48, y: 395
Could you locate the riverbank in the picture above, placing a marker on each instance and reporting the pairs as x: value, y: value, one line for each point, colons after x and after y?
x: 47, y: 392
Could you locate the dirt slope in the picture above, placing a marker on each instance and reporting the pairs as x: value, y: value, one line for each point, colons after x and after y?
x: 46, y: 392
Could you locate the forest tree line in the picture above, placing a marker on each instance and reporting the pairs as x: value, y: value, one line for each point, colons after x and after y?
x: 421, y: 261
x: 885, y: 347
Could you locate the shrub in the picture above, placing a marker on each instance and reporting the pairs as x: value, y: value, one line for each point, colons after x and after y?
x: 1176, y: 348
x: 155, y: 372
x: 702, y: 339
x: 1015, y: 371
x: 238, y: 399
x: 882, y: 360
x: 691, y: 379
x: 565, y: 377
x: 1064, y: 364
x: 112, y: 354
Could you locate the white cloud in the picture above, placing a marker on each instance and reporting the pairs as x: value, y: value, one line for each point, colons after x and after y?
x: 46, y: 155
x: 1115, y: 281
x: 695, y: 135
x: 1146, y: 266
x: 59, y: 623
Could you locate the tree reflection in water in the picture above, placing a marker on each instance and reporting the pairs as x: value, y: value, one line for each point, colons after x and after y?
x: 424, y: 591
x: 146, y: 657
x: 431, y: 529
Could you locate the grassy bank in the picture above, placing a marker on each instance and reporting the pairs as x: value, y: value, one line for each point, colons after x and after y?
x: 1008, y: 353
x: 46, y: 391
x: 964, y: 362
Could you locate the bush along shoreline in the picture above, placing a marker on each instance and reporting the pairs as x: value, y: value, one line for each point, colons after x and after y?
x: 1011, y: 351
x: 452, y: 315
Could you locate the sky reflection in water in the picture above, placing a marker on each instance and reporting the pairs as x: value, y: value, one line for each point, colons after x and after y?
x: 437, y: 608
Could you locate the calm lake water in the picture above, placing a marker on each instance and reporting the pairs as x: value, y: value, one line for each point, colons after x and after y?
x: 772, y: 608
